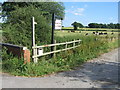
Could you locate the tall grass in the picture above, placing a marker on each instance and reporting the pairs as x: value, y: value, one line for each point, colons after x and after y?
x: 91, y: 47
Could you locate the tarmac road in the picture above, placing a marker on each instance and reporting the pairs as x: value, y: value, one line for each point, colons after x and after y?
x: 101, y: 72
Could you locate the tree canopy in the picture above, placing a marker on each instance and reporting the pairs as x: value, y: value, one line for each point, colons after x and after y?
x: 76, y: 25
x: 47, y: 8
x: 110, y: 26
x: 18, y: 25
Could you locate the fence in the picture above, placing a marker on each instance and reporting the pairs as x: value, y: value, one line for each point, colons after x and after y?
x: 39, y: 51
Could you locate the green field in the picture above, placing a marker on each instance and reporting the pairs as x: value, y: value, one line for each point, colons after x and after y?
x: 82, y: 33
x: 90, y: 28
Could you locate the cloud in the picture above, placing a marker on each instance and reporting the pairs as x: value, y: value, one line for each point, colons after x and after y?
x: 111, y: 18
x: 78, y: 14
x: 78, y: 11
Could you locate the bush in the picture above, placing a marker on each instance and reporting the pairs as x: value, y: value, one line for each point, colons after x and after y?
x: 18, y: 30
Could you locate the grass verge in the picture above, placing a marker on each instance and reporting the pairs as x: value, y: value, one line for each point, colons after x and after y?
x: 90, y: 48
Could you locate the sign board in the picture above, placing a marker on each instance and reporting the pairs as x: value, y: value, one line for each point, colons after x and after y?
x: 58, y: 24
x: 40, y: 51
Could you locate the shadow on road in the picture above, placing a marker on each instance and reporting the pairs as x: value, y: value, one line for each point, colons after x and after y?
x: 103, y: 75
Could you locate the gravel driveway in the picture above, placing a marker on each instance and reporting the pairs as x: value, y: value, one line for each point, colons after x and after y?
x: 101, y: 72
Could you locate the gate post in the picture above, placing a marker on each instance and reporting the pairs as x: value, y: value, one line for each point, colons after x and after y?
x: 33, y: 40
x: 54, y: 49
x: 26, y: 55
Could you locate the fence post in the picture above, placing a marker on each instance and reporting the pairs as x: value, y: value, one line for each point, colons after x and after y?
x: 36, y: 59
x: 65, y: 45
x: 79, y: 41
x: 35, y: 54
x: 74, y: 43
x: 54, y: 48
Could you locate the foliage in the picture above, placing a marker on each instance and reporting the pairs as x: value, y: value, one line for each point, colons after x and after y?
x: 18, y: 26
x: 76, y: 25
x: 47, y: 8
x: 18, y: 30
x: 111, y: 25
x: 90, y: 48
x: 96, y: 25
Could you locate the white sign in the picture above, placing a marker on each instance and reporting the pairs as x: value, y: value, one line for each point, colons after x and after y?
x: 58, y: 24
x: 40, y: 51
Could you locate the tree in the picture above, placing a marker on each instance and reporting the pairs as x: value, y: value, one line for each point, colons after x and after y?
x: 117, y: 26
x: 80, y: 25
x: 76, y: 25
x: 47, y: 8
x: 104, y: 26
x: 100, y: 25
x: 18, y: 29
x: 110, y: 26
x: 92, y: 25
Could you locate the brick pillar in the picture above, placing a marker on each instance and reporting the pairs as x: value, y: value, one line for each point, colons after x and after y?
x: 26, y: 55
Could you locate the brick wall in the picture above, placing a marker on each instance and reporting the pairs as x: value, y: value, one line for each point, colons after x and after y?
x: 19, y: 51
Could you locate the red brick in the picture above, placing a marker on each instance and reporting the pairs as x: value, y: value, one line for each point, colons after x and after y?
x: 26, y: 55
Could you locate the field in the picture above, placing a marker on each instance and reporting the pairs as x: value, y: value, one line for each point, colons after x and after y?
x: 89, y: 28
x: 68, y: 36
x: 78, y: 33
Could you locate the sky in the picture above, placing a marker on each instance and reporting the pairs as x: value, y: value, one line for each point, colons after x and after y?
x: 90, y: 12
